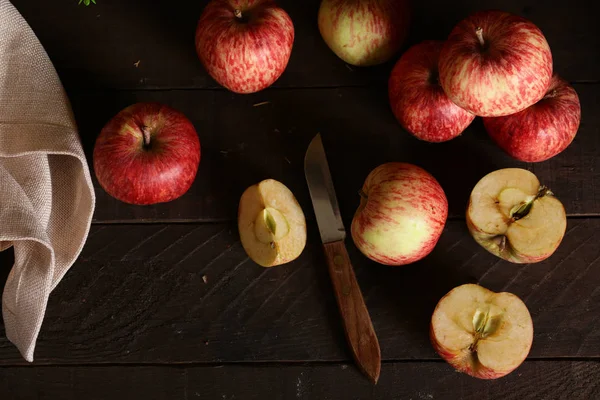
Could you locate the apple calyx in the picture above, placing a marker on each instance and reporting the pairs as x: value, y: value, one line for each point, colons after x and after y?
x: 551, y: 94
x: 521, y: 210
x: 479, y: 33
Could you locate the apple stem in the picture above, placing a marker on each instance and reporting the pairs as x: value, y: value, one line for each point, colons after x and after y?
x: 544, y: 191
x: 146, y: 133
x: 237, y: 13
x: 479, y: 33
x: 363, y: 194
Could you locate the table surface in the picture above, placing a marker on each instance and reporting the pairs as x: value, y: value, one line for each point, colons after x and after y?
x: 164, y: 303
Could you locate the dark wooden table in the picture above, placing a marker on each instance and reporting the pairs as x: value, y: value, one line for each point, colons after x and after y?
x: 135, y: 318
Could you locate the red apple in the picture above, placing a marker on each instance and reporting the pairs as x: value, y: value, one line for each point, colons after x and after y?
x: 401, y: 216
x: 364, y: 32
x: 542, y: 130
x: 148, y: 153
x: 244, y: 45
x: 495, y: 63
x: 417, y: 99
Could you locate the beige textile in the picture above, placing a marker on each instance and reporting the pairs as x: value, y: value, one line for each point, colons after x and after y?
x: 46, y: 194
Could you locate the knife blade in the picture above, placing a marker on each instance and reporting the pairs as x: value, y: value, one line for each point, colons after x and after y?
x: 358, y: 327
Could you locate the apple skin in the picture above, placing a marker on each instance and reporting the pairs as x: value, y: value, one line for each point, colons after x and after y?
x: 248, y: 52
x: 542, y: 130
x: 136, y: 173
x: 457, y: 361
x: 417, y: 99
x: 364, y: 32
x: 509, y: 73
x: 401, y: 216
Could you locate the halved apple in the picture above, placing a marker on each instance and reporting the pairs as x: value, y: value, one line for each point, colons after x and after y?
x: 515, y: 217
x: 482, y: 333
x: 271, y: 224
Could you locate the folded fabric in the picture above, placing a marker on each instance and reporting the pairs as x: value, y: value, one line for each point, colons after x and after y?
x: 46, y: 193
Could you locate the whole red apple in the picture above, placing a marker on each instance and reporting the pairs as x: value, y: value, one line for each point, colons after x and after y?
x: 401, y: 216
x: 148, y: 153
x: 417, y: 99
x: 245, y: 45
x: 542, y: 130
x: 364, y: 32
x: 495, y: 63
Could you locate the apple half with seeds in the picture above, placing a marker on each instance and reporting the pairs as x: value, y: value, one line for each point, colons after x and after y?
x: 271, y: 224
x: 482, y: 333
x: 514, y: 217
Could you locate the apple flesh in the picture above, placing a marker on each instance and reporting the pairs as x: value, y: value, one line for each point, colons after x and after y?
x: 401, y: 216
x: 514, y: 217
x: 542, y: 130
x: 271, y: 224
x: 417, y: 99
x: 364, y: 32
x: 146, y: 154
x: 244, y: 46
x: 484, y: 334
x: 495, y: 63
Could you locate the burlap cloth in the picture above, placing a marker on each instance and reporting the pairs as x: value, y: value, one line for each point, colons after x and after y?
x: 46, y: 194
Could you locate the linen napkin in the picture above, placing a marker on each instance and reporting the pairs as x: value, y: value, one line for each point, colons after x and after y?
x: 46, y: 194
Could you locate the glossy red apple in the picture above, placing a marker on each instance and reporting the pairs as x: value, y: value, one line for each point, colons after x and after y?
x: 495, y: 63
x: 401, y: 216
x: 417, y: 99
x: 245, y: 45
x: 542, y: 130
x: 364, y: 32
x: 148, y: 153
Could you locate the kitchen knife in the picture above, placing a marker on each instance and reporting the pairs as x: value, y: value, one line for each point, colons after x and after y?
x: 357, y: 322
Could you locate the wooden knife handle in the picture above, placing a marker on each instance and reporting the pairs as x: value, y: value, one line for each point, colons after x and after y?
x: 357, y: 322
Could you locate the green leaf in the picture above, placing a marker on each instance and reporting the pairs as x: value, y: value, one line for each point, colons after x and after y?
x: 87, y: 2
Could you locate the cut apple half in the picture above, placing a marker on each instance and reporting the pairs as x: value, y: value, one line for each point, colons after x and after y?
x: 482, y: 333
x: 271, y: 224
x: 515, y: 217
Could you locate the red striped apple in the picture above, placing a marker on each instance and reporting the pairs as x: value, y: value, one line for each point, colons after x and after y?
x: 245, y: 45
x: 146, y: 154
x: 542, y: 130
x: 271, y: 224
x: 417, y: 99
x: 484, y: 334
x: 401, y: 216
x: 514, y: 217
x: 364, y: 32
x: 495, y: 63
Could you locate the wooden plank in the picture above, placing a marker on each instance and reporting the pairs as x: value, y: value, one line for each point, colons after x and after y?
x: 411, y: 380
x: 188, y: 293
x: 243, y: 144
x: 97, y: 46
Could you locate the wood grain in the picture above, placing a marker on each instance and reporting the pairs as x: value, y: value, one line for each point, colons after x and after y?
x: 243, y: 144
x: 98, y: 46
x: 137, y: 295
x: 544, y: 380
x: 358, y: 327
